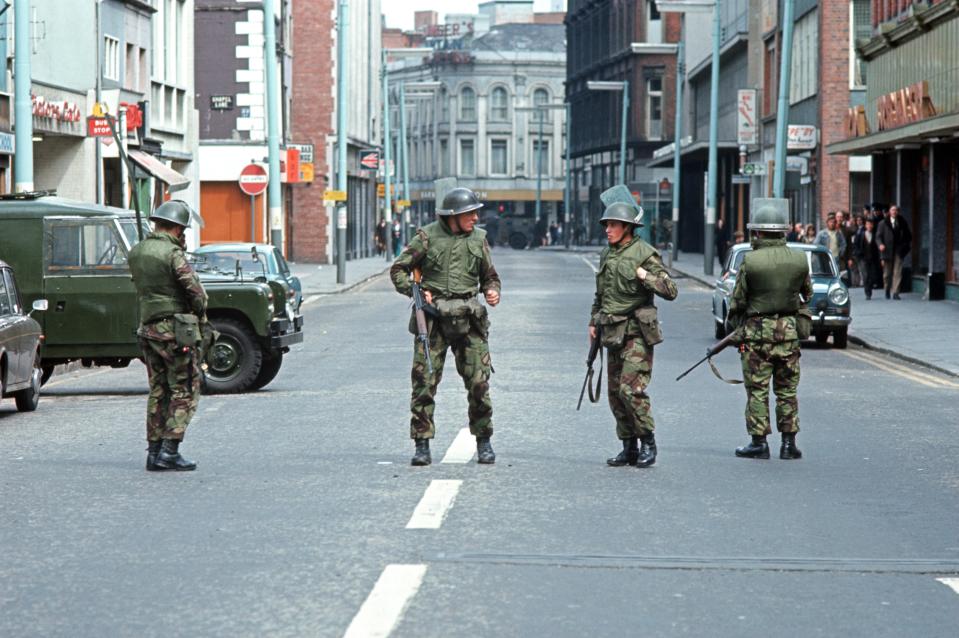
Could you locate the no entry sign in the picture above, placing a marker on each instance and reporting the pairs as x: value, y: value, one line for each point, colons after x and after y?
x: 253, y: 179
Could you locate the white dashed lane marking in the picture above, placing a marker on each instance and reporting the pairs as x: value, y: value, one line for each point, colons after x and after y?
x: 462, y: 449
x: 951, y: 583
x: 384, y: 607
x: 435, y: 505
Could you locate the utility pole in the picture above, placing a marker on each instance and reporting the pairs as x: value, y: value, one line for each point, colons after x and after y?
x: 275, y: 188
x: 713, y: 187
x: 342, y: 134
x: 678, y: 137
x: 98, y: 93
x: 23, y: 104
x: 622, y: 134
x: 567, y: 193
x: 539, y: 165
x: 782, y: 109
x: 387, y: 203
x: 404, y: 148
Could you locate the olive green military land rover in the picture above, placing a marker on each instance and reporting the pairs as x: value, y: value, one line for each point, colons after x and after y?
x: 74, y: 254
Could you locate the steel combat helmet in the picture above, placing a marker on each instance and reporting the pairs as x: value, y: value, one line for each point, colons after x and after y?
x: 459, y: 201
x: 623, y: 212
x: 175, y: 211
x: 769, y: 215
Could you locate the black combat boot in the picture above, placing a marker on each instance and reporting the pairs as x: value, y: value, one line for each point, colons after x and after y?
x: 647, y: 451
x: 484, y: 451
x: 757, y: 449
x: 152, y: 450
x: 169, y: 458
x: 422, y: 454
x: 628, y: 456
x: 788, y: 450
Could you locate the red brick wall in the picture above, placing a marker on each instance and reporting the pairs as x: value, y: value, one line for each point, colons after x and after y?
x: 314, y: 95
x: 833, y: 170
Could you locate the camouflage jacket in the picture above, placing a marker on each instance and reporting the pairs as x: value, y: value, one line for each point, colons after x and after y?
x: 619, y: 290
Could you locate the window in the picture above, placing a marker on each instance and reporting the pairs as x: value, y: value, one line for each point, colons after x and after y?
x: 76, y: 246
x: 541, y: 98
x: 499, y: 109
x: 444, y: 158
x: 654, y: 108
x: 6, y: 308
x: 654, y: 23
x: 143, y: 79
x: 541, y: 154
x: 468, y: 105
x: 860, y: 28
x: 14, y: 292
x: 770, y: 74
x: 111, y: 58
x: 805, y: 59
x: 498, y: 159
x: 130, y: 68
x: 467, y: 158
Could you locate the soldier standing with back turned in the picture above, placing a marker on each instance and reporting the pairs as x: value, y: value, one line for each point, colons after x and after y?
x: 630, y: 273
x: 455, y: 261
x: 172, y: 314
x: 769, y: 308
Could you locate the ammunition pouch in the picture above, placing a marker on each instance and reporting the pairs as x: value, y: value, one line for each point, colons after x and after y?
x: 186, y: 330
x: 614, y: 329
x: 647, y: 324
x: 457, y: 316
x: 804, y: 323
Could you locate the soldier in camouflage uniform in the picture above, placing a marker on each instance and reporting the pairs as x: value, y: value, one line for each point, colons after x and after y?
x: 172, y: 300
x: 455, y: 261
x: 630, y: 273
x: 769, y: 309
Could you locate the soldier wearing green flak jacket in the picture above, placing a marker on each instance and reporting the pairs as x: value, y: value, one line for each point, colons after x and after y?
x: 172, y: 314
x: 454, y: 259
x: 769, y: 309
x: 630, y: 274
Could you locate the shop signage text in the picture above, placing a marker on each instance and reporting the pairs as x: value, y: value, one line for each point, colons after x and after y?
x: 221, y: 102
x: 905, y: 106
x: 801, y: 137
x: 856, y: 123
x: 60, y: 111
x: 98, y: 127
x: 746, y: 117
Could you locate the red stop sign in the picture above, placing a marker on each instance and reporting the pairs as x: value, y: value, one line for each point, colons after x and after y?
x: 253, y: 179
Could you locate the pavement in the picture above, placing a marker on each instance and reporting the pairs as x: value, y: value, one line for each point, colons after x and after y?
x: 320, y: 279
x: 911, y: 329
x: 304, y: 517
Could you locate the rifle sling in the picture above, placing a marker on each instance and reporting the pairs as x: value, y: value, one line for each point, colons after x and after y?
x: 719, y: 376
x: 594, y: 397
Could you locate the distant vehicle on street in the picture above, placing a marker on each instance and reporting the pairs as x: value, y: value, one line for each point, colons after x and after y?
x: 75, y: 254
x: 20, y: 339
x: 830, y: 305
x: 271, y: 264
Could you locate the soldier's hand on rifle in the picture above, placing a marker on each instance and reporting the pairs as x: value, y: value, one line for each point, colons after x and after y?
x: 592, y: 332
x: 641, y: 273
x: 492, y: 297
x: 428, y: 296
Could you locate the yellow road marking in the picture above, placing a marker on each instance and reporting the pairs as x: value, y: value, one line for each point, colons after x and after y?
x: 900, y: 370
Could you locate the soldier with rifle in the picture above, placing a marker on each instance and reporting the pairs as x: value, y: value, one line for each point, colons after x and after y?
x: 769, y: 312
x: 454, y: 260
x: 624, y: 320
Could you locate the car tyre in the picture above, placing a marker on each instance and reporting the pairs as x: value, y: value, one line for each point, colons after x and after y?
x: 234, y: 360
x: 720, y: 329
x: 47, y: 373
x: 840, y: 338
x: 29, y: 398
x: 272, y: 361
x: 518, y: 241
x: 822, y: 338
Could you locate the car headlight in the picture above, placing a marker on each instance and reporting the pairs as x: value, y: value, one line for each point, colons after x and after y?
x: 838, y: 296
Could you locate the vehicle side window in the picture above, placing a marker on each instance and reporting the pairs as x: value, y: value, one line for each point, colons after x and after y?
x: 6, y: 308
x: 820, y: 265
x: 83, y: 245
x: 12, y: 291
x: 283, y: 266
x: 736, y: 260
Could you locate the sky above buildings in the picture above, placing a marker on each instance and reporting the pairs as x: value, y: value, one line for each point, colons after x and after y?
x: 399, y: 13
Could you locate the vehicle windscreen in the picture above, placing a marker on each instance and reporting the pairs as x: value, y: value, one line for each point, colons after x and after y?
x: 225, y: 261
x: 282, y: 266
x: 821, y: 265
x: 129, y: 228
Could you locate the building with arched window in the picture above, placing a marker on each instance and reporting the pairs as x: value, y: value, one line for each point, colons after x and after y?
x: 478, y: 129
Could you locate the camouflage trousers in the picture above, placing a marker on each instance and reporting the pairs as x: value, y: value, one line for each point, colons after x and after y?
x: 174, y: 388
x: 779, y: 363
x: 628, y: 372
x: 472, y: 357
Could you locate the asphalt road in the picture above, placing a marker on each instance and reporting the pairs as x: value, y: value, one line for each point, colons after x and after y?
x: 305, y: 519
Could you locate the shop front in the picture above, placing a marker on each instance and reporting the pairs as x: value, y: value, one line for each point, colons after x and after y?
x: 62, y: 156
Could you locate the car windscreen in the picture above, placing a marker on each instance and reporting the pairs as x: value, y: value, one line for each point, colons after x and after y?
x: 282, y: 266
x: 821, y: 265
x: 129, y: 228
x: 225, y: 261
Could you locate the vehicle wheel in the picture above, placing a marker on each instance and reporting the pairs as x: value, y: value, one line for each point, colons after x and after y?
x: 840, y: 338
x: 28, y: 399
x: 47, y: 373
x: 720, y: 329
x: 268, y: 370
x: 518, y: 241
x: 822, y: 338
x: 234, y: 360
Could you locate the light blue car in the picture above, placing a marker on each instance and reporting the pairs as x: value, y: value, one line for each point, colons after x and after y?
x: 226, y: 257
x: 830, y: 305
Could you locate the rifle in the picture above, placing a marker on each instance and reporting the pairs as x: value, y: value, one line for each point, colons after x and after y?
x: 420, y: 309
x: 594, y: 349
x: 731, y: 339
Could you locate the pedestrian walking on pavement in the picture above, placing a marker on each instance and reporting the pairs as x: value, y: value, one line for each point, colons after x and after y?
x: 895, y: 242
x: 769, y: 310
x: 172, y: 304
x: 833, y: 239
x: 866, y: 251
x: 624, y: 316
x: 454, y: 258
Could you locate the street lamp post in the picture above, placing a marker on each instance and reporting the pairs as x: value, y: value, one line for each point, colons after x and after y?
x: 403, y: 148
x: 782, y: 108
x: 623, y: 86
x: 540, y: 110
x: 342, y: 73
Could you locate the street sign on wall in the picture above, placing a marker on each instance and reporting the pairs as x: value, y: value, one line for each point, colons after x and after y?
x: 306, y: 152
x: 370, y: 159
x: 753, y: 168
x: 98, y: 127
x: 253, y: 179
x: 801, y: 137
x: 746, y: 130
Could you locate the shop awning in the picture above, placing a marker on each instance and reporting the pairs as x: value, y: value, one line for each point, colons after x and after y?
x: 690, y: 149
x: 174, y: 181
x: 920, y: 132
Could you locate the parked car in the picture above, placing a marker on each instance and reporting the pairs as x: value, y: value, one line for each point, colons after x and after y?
x: 75, y: 254
x: 20, y: 339
x: 253, y: 260
x: 830, y: 305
